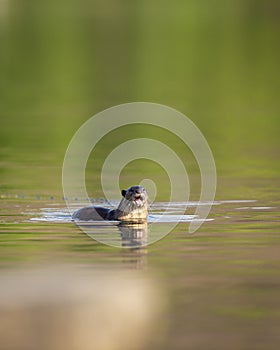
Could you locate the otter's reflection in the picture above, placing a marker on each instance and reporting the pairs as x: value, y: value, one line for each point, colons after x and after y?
x: 126, y: 235
x: 134, y: 235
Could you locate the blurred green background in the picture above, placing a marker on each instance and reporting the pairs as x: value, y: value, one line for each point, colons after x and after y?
x: 63, y: 61
x: 217, y: 62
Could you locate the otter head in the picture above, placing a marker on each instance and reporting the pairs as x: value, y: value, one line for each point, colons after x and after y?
x: 137, y: 195
x: 134, y: 205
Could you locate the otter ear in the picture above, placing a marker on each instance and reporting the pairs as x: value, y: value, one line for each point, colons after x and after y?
x: 124, y: 193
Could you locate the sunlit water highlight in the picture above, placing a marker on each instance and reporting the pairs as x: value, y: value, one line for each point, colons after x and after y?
x: 159, y: 212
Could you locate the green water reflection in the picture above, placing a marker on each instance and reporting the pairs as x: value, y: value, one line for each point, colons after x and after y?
x: 215, y: 61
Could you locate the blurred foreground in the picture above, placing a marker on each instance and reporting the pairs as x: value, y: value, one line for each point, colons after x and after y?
x: 63, y: 308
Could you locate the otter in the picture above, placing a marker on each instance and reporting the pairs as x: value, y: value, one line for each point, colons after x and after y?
x: 133, y: 207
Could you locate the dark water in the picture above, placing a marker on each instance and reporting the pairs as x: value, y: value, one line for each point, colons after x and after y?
x: 217, y: 62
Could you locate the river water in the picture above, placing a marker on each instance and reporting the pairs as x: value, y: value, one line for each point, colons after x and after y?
x: 218, y: 284
x: 217, y: 62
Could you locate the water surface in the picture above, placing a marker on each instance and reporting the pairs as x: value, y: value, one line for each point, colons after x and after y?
x: 214, y: 61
